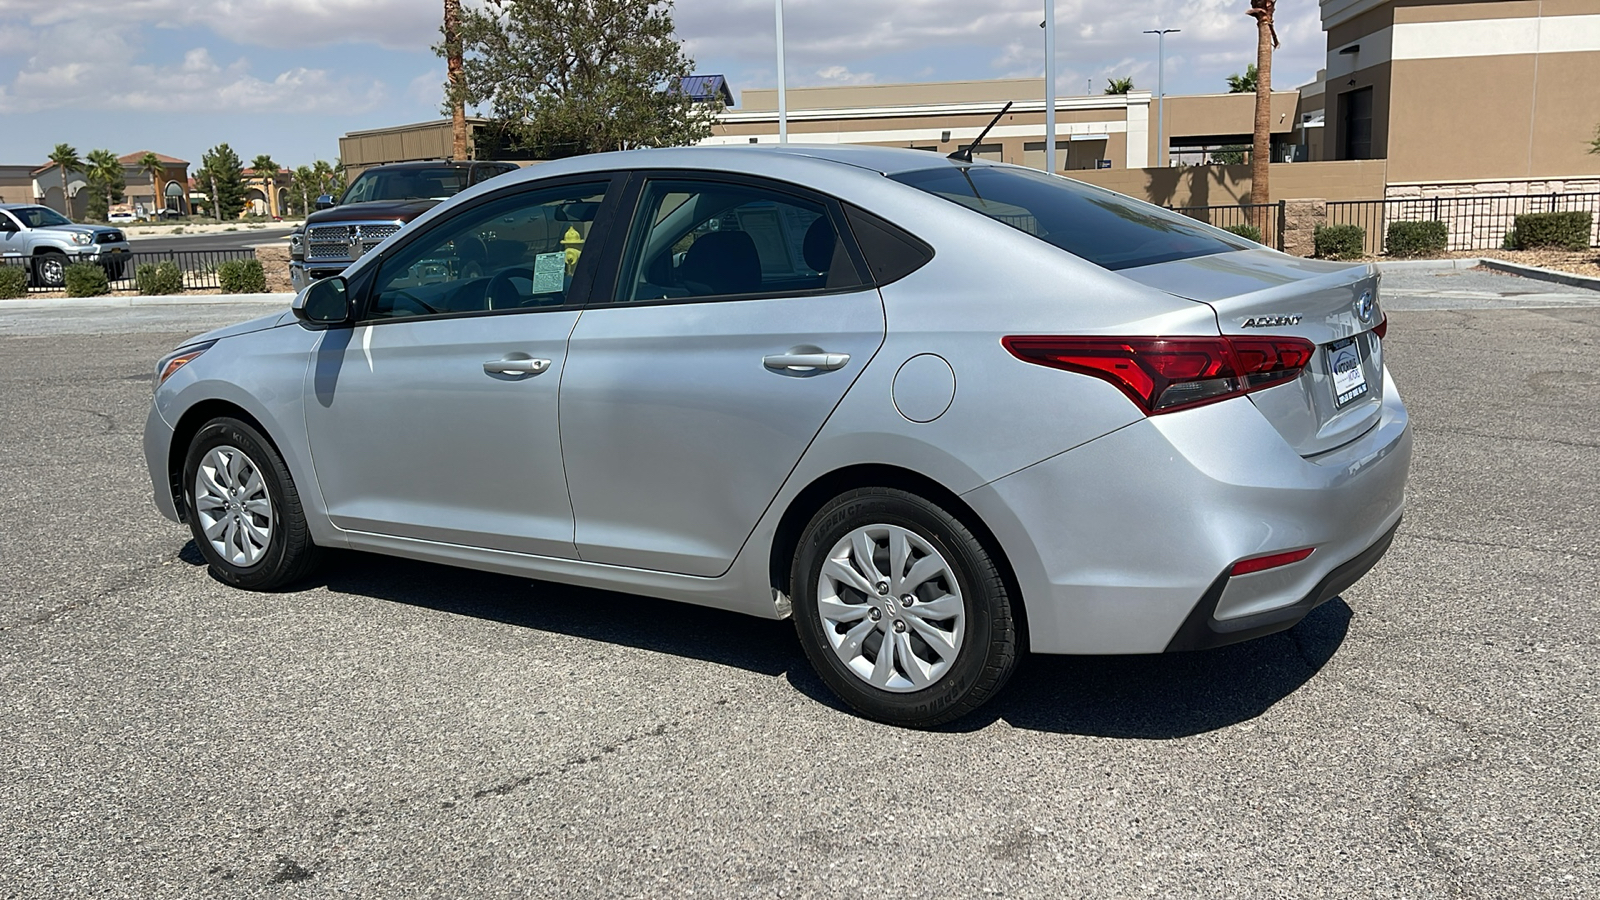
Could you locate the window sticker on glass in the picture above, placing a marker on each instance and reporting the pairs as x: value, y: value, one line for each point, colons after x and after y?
x: 549, y: 272
x: 1344, y: 363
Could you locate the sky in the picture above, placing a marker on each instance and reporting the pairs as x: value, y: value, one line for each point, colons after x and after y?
x: 288, y: 77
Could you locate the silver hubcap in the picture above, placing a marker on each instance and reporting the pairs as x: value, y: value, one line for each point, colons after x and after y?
x: 235, y: 510
x: 891, y: 608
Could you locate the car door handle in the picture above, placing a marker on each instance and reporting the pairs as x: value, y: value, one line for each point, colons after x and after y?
x: 516, y: 366
x: 823, y: 361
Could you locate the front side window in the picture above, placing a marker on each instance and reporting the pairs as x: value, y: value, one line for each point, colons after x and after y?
x: 1101, y: 226
x: 693, y: 239
x: 407, y: 184
x: 518, y: 252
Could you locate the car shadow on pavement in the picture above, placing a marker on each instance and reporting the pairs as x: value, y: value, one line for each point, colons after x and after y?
x: 1153, y: 697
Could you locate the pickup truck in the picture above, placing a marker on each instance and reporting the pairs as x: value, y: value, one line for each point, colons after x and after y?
x: 47, y: 242
x: 377, y: 204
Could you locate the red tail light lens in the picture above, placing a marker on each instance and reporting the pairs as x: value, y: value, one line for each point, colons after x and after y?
x: 1262, y: 563
x: 1382, y: 328
x: 1166, y: 374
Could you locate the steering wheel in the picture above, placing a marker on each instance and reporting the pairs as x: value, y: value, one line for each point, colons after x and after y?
x: 501, y: 293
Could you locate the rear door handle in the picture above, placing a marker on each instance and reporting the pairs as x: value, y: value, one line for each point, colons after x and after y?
x: 823, y: 361
x: 516, y: 366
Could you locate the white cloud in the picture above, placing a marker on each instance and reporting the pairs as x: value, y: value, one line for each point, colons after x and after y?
x: 843, y: 75
x: 84, y: 66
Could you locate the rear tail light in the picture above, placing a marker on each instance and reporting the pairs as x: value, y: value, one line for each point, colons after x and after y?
x: 1262, y: 563
x: 1166, y: 374
x: 1382, y: 328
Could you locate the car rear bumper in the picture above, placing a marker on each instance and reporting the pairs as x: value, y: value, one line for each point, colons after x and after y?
x: 1124, y: 544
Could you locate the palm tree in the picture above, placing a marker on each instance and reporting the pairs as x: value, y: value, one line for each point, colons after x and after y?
x: 1243, y: 84
x: 66, y: 156
x: 1261, y: 151
x: 1119, y: 85
x: 267, y: 171
x: 104, y: 172
x: 150, y: 164
x: 456, y: 88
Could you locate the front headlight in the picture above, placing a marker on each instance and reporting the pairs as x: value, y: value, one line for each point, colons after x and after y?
x: 78, y: 238
x: 179, y: 358
x: 297, y: 247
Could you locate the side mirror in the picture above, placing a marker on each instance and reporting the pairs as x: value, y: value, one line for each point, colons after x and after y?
x: 325, y: 303
x: 326, y: 201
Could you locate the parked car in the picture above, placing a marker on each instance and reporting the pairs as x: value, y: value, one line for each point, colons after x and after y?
x: 941, y: 412
x: 376, y: 205
x: 49, y: 242
x: 121, y: 218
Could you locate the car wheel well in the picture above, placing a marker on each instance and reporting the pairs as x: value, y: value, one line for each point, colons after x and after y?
x: 189, y: 424
x: 819, y: 492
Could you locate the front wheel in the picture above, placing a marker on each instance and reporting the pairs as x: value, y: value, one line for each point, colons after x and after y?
x: 901, y: 609
x: 243, y: 508
x: 50, y: 270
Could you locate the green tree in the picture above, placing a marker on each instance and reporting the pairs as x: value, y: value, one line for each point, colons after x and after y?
x: 563, y: 77
x: 267, y: 171
x: 303, y: 188
x: 150, y: 164
x: 221, y: 177
x: 1243, y: 84
x: 66, y: 156
x: 1231, y: 155
x: 1119, y: 85
x: 106, y: 180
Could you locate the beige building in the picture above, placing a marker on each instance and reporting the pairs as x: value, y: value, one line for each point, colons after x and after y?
x: 1116, y: 131
x: 1462, y: 97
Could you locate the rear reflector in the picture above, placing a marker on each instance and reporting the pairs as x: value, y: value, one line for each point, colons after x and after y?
x: 1261, y: 563
x: 1166, y: 374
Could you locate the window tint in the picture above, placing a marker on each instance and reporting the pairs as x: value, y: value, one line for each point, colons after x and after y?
x: 516, y: 252
x: 891, y: 252
x: 699, y: 239
x: 407, y: 184
x: 40, y: 216
x: 1102, y: 227
x: 480, y: 174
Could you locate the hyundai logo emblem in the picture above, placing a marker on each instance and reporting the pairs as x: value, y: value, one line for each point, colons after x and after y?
x: 1365, y: 306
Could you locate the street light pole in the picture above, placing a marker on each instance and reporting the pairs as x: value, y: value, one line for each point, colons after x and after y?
x: 1050, y: 86
x: 783, y: 103
x: 1161, y: 92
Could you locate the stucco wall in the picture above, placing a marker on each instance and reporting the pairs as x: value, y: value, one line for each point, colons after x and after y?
x: 1229, y: 185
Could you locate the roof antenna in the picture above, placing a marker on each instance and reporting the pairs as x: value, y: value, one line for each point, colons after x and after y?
x: 965, y: 153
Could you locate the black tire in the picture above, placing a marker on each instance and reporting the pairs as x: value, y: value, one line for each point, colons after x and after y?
x: 988, y: 652
x: 289, y: 553
x: 50, y: 269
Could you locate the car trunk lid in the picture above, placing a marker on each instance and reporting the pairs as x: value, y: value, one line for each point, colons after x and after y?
x: 1261, y: 293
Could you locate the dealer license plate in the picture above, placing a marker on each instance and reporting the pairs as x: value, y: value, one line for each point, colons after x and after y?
x: 1344, y: 364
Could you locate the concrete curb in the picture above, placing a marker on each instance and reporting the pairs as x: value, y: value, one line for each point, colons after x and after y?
x: 1389, y: 265
x: 71, y: 303
x: 1566, y: 278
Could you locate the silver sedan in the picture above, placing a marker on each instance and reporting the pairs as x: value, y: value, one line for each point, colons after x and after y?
x: 940, y: 412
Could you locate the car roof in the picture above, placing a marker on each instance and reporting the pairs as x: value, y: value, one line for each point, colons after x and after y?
x: 435, y: 164
x: 796, y: 161
x: 22, y: 206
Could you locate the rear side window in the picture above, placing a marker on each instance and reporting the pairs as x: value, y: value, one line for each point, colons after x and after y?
x: 1103, y: 227
x: 891, y: 253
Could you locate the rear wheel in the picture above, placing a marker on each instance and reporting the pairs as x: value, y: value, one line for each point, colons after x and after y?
x: 243, y: 508
x: 901, y: 609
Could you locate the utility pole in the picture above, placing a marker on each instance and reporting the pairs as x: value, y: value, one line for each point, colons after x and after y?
x: 1050, y: 86
x: 783, y: 103
x: 1161, y: 92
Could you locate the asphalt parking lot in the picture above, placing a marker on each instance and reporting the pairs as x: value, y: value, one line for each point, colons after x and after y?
x: 398, y: 729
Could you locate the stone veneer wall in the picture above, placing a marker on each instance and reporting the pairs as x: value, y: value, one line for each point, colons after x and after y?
x: 1480, y: 213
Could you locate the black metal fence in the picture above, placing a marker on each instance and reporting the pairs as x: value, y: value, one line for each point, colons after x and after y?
x: 198, y: 268
x: 1269, y: 215
x: 1477, y: 222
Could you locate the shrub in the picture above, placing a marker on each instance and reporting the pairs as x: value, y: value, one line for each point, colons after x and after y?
x: 1408, y: 239
x: 13, y: 282
x: 86, y: 280
x: 151, y: 279
x: 1339, y: 241
x: 1559, y: 230
x: 242, y: 276
x: 1248, y: 232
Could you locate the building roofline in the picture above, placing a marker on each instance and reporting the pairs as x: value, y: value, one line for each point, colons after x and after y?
x: 431, y: 123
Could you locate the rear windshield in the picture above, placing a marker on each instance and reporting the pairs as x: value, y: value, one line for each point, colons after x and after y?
x: 1100, y: 226
x: 407, y: 184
